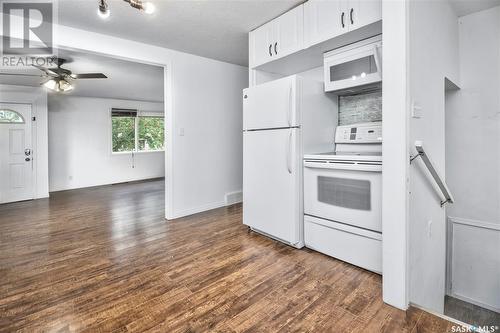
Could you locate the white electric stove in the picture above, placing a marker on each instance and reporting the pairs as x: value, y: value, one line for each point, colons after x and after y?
x: 342, y: 197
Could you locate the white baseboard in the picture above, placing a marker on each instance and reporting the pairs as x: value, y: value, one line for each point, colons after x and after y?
x: 232, y: 198
x: 199, y: 209
x: 470, y: 300
x: 41, y: 195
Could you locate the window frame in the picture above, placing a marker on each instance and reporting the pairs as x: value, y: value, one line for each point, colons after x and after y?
x: 157, y: 114
x: 22, y: 122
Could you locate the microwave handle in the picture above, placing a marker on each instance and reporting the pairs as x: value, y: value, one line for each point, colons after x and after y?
x: 378, y: 63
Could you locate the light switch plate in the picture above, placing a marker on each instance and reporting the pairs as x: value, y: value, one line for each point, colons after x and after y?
x: 416, y: 110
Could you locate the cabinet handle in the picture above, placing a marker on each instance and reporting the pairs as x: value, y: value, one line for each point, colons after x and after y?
x: 275, y: 46
x: 350, y: 14
x: 270, y: 52
x: 342, y: 19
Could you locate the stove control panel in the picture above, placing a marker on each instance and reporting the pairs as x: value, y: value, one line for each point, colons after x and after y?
x: 359, y: 133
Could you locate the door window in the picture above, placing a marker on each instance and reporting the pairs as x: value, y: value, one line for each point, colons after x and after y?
x: 10, y: 116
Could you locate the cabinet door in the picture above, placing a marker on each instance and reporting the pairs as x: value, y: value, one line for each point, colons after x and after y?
x: 289, y: 32
x: 261, y: 45
x: 324, y: 20
x: 363, y: 12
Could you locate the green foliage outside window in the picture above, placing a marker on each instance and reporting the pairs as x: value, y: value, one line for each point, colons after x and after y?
x: 150, y: 132
x: 123, y: 129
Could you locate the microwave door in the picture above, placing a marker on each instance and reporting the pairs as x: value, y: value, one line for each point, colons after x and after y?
x: 344, y: 71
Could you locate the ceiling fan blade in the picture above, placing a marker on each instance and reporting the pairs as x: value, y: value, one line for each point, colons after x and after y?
x: 15, y: 74
x: 47, y: 71
x: 89, y: 76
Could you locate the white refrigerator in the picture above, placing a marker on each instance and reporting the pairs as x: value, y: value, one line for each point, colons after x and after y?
x: 282, y: 120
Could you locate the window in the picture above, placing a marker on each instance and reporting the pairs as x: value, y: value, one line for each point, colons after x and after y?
x: 151, y: 133
x: 134, y: 131
x: 10, y: 116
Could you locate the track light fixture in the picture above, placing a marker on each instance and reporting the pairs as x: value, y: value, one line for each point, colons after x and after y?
x: 104, y: 12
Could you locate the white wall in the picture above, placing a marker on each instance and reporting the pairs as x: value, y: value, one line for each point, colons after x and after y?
x: 433, y: 57
x: 395, y: 152
x: 37, y: 97
x: 473, y: 162
x: 80, y: 144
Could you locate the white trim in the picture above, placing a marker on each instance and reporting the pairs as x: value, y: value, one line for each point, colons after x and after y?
x: 472, y: 301
x: 199, y: 209
x: 452, y: 221
x: 440, y: 315
x: 475, y: 223
x: 395, y: 167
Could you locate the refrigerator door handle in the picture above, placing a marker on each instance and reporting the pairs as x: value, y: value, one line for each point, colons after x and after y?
x: 289, y: 115
x: 289, y: 154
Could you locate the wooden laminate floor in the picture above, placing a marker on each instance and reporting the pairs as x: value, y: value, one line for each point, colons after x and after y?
x: 105, y: 260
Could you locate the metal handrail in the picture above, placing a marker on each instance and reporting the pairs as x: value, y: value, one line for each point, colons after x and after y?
x: 419, y: 146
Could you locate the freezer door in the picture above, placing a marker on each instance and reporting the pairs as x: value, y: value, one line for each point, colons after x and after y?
x: 271, y: 105
x: 271, y: 184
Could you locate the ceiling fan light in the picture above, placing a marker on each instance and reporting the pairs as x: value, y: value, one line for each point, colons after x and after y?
x: 50, y: 84
x: 65, y: 86
x: 148, y: 7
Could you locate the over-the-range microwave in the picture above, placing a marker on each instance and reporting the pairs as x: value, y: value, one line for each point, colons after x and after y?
x: 355, y: 67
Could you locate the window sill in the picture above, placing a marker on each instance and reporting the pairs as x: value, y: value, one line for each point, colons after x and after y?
x: 136, y: 152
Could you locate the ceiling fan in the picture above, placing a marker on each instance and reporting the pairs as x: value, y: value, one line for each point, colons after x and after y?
x: 60, y: 79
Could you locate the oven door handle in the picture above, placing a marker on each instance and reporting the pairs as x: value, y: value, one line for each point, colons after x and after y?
x: 344, y: 166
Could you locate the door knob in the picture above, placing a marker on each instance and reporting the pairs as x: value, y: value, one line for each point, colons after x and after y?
x: 27, y: 152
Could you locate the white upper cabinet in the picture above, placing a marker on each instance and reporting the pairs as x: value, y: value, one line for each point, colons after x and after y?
x: 261, y: 40
x: 289, y: 32
x: 278, y: 38
x: 313, y: 22
x: 364, y: 12
x: 325, y: 19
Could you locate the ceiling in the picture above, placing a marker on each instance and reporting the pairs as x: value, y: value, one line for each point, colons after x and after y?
x: 466, y: 7
x: 126, y: 80
x: 209, y: 28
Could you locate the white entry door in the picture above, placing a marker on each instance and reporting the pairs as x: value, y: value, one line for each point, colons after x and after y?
x: 16, y: 162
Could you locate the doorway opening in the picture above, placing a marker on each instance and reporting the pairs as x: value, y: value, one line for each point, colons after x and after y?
x: 107, y: 128
x: 472, y: 132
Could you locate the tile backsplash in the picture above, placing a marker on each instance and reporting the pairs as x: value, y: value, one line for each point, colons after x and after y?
x: 361, y: 108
